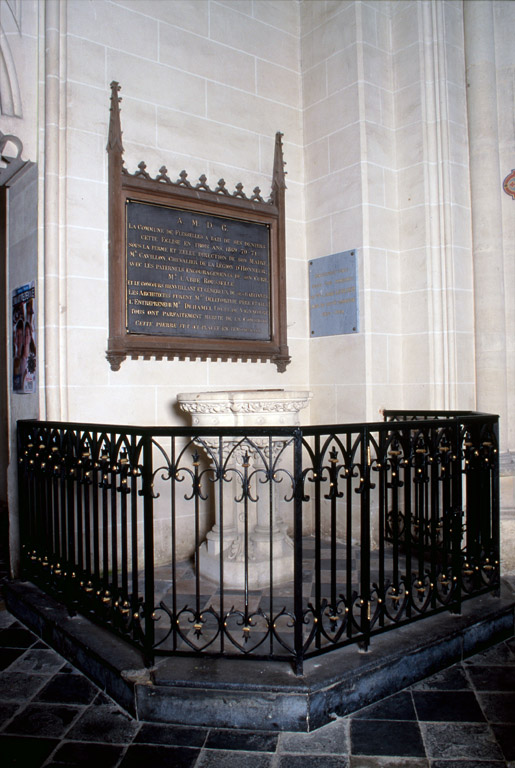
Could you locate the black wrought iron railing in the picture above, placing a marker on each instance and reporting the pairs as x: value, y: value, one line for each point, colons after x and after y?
x: 277, y: 543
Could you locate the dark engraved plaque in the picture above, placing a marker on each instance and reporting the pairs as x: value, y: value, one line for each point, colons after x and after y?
x: 333, y: 299
x: 191, y: 274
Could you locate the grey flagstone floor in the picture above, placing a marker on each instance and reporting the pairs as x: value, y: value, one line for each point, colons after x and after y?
x: 52, y: 715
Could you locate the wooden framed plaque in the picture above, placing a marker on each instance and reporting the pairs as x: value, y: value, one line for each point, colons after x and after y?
x: 194, y: 272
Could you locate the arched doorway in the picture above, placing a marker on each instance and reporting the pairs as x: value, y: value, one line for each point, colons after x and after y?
x: 18, y: 269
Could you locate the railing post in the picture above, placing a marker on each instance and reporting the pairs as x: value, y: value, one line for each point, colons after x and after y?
x: 383, y: 513
x: 364, y: 490
x: 408, y: 451
x: 495, y: 506
x: 457, y: 518
x: 473, y: 495
x: 456, y: 559
x: 456, y: 471
x: 148, y: 548
x: 23, y: 506
x: 298, y: 660
x: 437, y: 513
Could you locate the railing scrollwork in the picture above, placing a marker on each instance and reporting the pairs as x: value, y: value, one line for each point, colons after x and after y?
x: 384, y: 524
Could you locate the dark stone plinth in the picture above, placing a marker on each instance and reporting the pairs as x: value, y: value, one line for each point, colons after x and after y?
x: 93, y: 650
x: 263, y: 695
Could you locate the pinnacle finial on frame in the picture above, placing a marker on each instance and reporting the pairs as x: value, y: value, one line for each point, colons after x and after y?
x: 114, y: 141
x: 278, y: 174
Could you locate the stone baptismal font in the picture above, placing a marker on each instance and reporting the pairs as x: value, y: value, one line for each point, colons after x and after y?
x: 246, y: 539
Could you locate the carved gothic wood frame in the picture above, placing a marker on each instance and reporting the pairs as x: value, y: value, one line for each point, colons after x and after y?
x: 140, y: 187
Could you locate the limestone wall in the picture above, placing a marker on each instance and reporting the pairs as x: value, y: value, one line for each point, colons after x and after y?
x: 371, y: 98
x: 205, y: 87
x: 503, y: 21
x: 19, y: 71
x: 387, y: 172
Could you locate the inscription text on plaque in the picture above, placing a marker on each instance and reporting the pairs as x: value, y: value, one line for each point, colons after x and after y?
x: 191, y: 274
x: 333, y: 294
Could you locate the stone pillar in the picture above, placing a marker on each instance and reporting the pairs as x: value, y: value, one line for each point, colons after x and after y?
x: 53, y: 266
x: 246, y: 541
x: 486, y: 190
x: 488, y: 241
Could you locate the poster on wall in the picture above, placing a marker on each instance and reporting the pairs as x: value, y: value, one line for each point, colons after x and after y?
x: 24, y: 339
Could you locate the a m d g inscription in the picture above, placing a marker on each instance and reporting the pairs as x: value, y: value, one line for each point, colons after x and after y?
x: 196, y: 275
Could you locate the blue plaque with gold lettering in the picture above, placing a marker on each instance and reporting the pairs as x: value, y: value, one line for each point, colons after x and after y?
x: 333, y: 294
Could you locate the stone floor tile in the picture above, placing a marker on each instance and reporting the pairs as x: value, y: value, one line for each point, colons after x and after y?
x: 249, y: 741
x: 78, y: 754
x: 445, y: 706
x: 139, y: 755
x: 103, y: 736
x: 221, y: 758
x: 506, y: 740
x: 42, y: 661
x: 456, y: 740
x: 397, y: 707
x: 499, y: 654
x: 9, y: 655
x: 492, y: 678
x: 468, y: 763
x: 102, y: 700
x: 451, y: 679
x: 331, y: 739
x: 360, y: 761
x: 498, y: 707
x: 16, y: 636
x: 20, y: 686
x: 313, y: 761
x: 25, y: 752
x: 7, y: 710
x: 43, y: 720
x: 68, y: 689
x: 6, y: 618
x: 104, y: 724
x: 176, y: 735
x: 386, y: 737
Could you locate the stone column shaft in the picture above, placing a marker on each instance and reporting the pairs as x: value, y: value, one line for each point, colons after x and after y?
x: 53, y: 263
x: 487, y: 240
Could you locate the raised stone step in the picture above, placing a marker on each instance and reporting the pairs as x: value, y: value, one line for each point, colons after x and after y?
x: 247, y: 693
